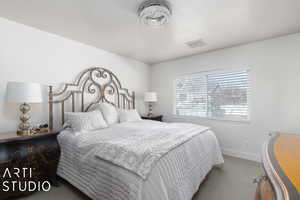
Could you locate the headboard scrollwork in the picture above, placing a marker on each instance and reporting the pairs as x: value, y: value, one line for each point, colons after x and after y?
x: 92, y: 86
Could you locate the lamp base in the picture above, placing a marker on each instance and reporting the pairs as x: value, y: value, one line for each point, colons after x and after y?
x: 24, y: 132
x: 150, y: 115
x: 24, y: 126
x: 150, y: 110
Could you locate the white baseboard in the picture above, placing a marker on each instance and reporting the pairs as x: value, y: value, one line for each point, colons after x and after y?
x: 243, y: 155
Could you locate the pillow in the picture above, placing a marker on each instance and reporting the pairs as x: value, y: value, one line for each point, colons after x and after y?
x: 129, y: 116
x: 85, y: 121
x: 109, y: 112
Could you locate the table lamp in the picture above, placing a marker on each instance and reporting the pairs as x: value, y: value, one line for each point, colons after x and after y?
x: 24, y: 93
x: 150, y: 97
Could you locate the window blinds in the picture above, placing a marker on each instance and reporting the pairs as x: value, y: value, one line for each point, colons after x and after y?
x: 216, y: 95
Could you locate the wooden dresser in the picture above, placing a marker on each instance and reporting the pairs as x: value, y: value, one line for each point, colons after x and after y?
x: 281, y: 163
x: 38, y: 152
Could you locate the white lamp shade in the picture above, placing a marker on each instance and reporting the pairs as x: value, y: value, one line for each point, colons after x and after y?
x: 150, y: 97
x: 17, y: 92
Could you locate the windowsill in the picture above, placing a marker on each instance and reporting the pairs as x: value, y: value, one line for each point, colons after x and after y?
x: 245, y: 121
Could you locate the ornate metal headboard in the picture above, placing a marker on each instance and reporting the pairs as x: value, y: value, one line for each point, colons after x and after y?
x: 92, y: 86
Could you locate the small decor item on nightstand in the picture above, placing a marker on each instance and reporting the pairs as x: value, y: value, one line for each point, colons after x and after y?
x: 24, y: 93
x: 42, y: 128
x: 150, y: 97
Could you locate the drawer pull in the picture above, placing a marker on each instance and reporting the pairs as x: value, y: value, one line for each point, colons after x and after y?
x: 256, y: 180
x: 30, y: 149
x: 259, y: 179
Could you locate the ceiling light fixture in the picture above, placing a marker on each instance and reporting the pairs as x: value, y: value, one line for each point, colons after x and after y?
x: 155, y: 13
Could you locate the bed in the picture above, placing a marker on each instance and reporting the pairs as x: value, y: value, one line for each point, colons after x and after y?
x: 180, y: 155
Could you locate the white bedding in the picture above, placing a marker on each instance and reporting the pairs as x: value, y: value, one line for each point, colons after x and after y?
x: 176, y: 176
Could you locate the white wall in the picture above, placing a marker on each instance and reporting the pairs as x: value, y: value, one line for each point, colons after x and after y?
x: 31, y: 55
x: 275, y: 94
x: 28, y: 54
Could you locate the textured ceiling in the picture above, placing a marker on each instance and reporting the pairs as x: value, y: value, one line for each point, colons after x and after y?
x: 113, y: 25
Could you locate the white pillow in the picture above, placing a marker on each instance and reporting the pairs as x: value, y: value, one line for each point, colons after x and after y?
x: 129, y: 116
x: 109, y: 112
x: 85, y: 121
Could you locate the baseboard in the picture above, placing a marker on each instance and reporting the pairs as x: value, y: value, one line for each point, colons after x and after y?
x: 243, y: 155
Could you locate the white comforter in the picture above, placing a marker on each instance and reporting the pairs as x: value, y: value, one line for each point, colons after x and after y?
x: 176, y: 176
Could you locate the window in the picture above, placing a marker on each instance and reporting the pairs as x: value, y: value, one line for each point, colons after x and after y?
x: 220, y: 95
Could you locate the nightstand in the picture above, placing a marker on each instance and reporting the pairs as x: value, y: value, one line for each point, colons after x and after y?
x: 155, y: 118
x: 38, y: 153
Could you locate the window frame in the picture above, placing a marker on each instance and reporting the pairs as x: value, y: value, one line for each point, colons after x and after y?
x: 205, y: 73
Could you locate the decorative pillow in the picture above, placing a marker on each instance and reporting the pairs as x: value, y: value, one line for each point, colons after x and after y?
x: 129, y: 115
x: 85, y: 121
x: 109, y: 112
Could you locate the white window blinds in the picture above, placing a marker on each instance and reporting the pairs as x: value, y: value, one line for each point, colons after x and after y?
x: 222, y: 95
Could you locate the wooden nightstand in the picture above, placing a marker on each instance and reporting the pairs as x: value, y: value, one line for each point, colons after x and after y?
x: 155, y: 118
x: 39, y: 152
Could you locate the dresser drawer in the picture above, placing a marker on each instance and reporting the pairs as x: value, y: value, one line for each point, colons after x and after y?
x: 21, y: 149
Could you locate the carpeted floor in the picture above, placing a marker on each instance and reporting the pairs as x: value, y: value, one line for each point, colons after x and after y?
x: 232, y: 182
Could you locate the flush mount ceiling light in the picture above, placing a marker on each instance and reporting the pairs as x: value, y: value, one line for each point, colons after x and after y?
x: 155, y: 13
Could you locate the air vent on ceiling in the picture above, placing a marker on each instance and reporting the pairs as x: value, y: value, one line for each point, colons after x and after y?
x: 196, y: 43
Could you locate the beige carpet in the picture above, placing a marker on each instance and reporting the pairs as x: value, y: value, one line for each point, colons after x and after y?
x: 232, y: 182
